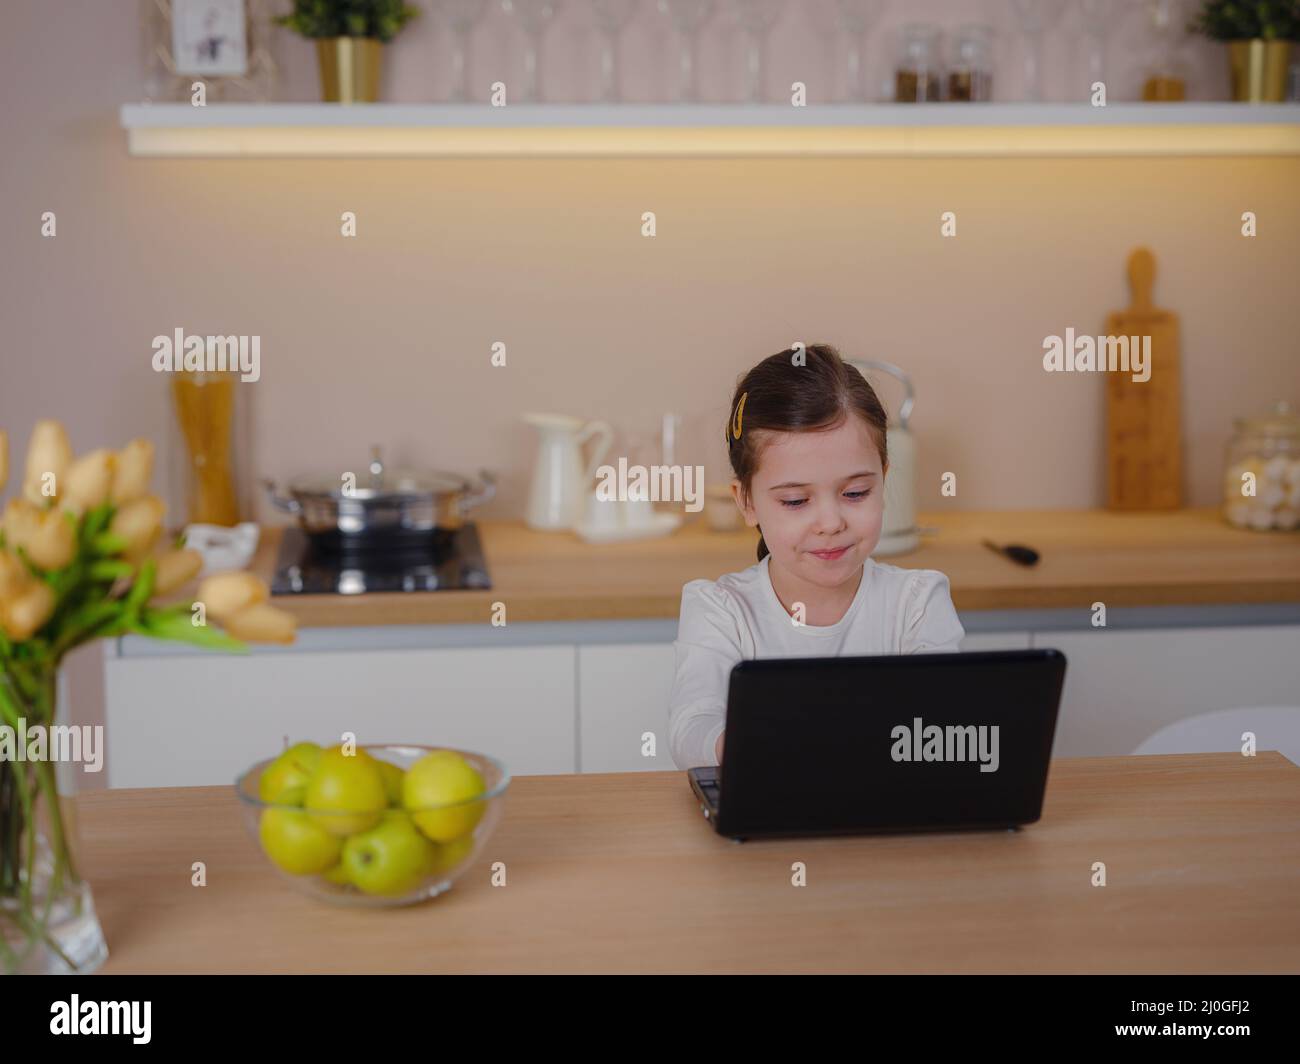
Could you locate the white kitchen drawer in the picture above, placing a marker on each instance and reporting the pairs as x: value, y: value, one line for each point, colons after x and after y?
x: 1123, y: 685
x: 196, y: 719
x: 623, y: 692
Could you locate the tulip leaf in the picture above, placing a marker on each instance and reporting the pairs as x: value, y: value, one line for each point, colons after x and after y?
x: 108, y: 544
x: 91, y: 620
x: 140, y: 590
x: 108, y: 569
x: 95, y: 521
x: 177, y: 625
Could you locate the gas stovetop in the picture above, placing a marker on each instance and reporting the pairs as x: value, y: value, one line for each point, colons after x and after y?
x: 453, y: 561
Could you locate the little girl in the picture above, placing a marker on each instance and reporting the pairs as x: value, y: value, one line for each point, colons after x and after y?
x: 807, y: 447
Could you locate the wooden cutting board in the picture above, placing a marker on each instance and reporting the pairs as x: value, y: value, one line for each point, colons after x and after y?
x: 1144, y: 444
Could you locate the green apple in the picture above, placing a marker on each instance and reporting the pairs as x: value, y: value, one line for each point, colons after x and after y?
x: 451, y: 854
x: 296, y: 843
x: 443, y: 778
x: 339, y: 873
x: 293, y: 768
x: 292, y: 796
x: 393, y: 777
x: 346, y: 792
x: 391, y: 858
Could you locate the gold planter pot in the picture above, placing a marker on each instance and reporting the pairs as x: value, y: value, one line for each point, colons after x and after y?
x: 350, y: 68
x: 1259, y: 70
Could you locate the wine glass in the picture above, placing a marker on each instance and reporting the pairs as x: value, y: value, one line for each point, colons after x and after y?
x: 1167, y: 72
x: 462, y: 16
x: 857, y: 18
x: 1097, y: 17
x: 1036, y: 17
x: 757, y: 17
x: 688, y: 17
x: 534, y: 16
x: 612, y: 16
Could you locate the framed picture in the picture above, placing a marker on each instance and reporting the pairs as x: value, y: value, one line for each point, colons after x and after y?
x: 209, y: 37
x: 226, y: 44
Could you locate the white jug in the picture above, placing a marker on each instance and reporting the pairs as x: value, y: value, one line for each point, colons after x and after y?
x: 899, y: 533
x: 561, y: 479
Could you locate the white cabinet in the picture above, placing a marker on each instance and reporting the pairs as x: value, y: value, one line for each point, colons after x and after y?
x: 1122, y: 686
x: 569, y: 702
x: 623, y: 692
x: 192, y: 719
x: 996, y: 641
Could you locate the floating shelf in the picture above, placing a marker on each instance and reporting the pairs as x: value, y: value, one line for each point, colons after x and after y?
x: 398, y: 130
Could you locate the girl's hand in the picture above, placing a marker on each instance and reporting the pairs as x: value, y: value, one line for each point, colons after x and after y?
x: 717, y: 748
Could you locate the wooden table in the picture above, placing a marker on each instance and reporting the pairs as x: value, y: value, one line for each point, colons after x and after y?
x: 1186, y: 557
x: 620, y: 873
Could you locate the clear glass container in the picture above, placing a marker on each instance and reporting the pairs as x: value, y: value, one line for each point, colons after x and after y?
x: 436, y: 841
x: 48, y: 924
x: 1166, y: 71
x: 917, y: 77
x: 970, y: 74
x: 1261, y: 480
x: 208, y: 441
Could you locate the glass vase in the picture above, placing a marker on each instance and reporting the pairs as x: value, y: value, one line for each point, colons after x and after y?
x: 48, y: 924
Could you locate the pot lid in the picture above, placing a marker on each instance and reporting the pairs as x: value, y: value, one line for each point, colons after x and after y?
x: 375, y: 480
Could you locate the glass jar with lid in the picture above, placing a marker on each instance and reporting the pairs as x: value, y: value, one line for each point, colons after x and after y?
x: 970, y: 74
x: 1261, y: 481
x: 917, y: 77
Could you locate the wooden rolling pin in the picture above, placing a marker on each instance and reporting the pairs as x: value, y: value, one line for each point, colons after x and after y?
x: 1144, y: 444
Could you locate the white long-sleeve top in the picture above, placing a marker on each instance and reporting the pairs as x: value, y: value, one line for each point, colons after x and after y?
x: 895, y: 611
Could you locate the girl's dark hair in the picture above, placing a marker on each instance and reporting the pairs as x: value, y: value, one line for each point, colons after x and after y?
x: 781, y: 395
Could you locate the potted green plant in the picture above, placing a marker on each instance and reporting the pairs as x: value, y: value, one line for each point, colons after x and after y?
x: 349, y: 36
x: 1259, y: 34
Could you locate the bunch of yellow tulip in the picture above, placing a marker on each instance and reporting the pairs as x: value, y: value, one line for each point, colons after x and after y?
x: 79, y: 562
x: 77, y: 559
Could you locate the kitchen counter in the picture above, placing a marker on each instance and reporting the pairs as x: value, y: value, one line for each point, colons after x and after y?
x: 620, y: 873
x: 584, y: 667
x: 1181, y: 558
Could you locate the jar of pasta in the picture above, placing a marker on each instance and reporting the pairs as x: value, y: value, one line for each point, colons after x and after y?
x: 1261, y: 483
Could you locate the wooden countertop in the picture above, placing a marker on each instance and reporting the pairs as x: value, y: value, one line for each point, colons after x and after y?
x: 1185, y: 557
x: 621, y: 873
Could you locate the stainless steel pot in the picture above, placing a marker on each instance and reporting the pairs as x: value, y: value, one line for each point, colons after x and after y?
x: 380, y: 506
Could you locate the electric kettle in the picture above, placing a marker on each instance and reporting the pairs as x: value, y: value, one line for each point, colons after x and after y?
x: 899, y: 533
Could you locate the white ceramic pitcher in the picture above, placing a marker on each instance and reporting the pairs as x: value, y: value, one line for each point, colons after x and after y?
x: 561, y: 479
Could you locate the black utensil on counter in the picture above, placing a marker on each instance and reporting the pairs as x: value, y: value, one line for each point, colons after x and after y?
x: 1018, y: 554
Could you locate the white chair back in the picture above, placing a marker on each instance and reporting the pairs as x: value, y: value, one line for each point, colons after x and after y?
x: 1275, y: 728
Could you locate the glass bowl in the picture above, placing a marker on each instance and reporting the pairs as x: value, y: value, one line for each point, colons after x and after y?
x: 400, y: 856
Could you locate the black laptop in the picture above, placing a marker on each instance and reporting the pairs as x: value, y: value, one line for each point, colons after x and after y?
x: 900, y: 742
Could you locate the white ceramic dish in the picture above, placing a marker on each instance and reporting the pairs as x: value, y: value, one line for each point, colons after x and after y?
x: 661, y: 525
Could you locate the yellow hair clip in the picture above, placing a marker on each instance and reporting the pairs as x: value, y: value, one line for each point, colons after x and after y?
x: 740, y: 408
